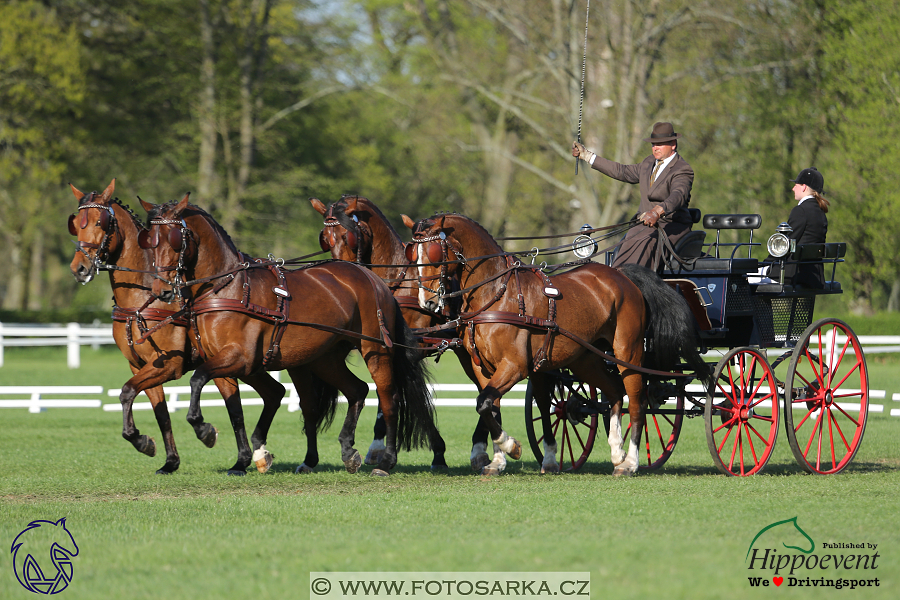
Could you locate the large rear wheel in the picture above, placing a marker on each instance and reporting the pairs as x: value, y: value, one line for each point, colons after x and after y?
x: 826, y: 397
x: 573, y: 418
x: 741, y: 413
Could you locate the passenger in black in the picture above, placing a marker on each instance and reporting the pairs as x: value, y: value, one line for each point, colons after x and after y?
x: 809, y: 225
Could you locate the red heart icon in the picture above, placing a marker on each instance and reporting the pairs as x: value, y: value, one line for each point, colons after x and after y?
x: 778, y: 580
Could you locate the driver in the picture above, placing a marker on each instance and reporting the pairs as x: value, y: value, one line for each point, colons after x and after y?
x: 665, y: 180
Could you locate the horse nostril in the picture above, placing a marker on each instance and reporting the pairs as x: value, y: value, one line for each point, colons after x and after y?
x: 167, y: 296
x: 431, y: 305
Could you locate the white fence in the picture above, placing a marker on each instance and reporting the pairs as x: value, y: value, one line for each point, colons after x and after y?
x: 74, y: 336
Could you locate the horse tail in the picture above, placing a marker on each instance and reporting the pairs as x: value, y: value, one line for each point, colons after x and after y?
x: 674, y: 333
x: 416, y: 423
x: 325, y: 396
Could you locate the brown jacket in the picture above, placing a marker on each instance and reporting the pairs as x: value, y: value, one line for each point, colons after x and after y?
x: 672, y: 189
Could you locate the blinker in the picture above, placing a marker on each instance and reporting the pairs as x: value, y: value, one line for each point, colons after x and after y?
x: 410, y: 252
x: 323, y: 243
x: 434, y: 252
x: 351, y: 239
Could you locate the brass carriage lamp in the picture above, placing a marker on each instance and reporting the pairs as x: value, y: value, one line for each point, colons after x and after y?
x: 780, y: 245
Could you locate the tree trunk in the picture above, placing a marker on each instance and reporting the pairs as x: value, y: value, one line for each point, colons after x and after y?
x: 206, y: 171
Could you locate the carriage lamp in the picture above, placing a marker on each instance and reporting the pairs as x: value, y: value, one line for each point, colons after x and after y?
x: 779, y: 244
x: 584, y: 246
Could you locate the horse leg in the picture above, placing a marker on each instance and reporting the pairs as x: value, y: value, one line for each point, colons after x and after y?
x: 226, y: 363
x: 636, y: 407
x: 540, y: 389
x: 228, y: 387
x: 593, y: 371
x: 149, y: 379
x: 376, y: 449
x: 479, y: 457
x: 271, y: 392
x: 305, y: 385
x: 333, y: 371
x: 506, y: 376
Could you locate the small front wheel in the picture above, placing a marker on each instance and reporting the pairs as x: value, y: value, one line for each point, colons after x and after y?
x: 741, y: 413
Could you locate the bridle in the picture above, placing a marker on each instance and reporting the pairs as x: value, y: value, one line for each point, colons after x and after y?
x: 106, y: 222
x: 328, y: 236
x: 177, y: 239
x: 436, y: 248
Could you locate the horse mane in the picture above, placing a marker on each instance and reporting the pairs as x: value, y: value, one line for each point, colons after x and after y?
x: 440, y: 214
x: 161, y: 208
x: 134, y: 218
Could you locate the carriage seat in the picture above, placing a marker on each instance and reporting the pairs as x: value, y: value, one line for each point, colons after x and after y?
x: 710, y: 265
x: 832, y: 254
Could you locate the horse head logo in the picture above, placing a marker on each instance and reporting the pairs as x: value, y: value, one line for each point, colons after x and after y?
x: 786, y: 531
x: 39, y: 538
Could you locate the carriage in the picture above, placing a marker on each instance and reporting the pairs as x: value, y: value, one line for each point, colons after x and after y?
x: 774, y: 363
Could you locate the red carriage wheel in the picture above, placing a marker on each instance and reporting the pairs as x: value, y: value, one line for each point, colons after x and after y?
x: 826, y: 399
x: 662, y: 425
x: 573, y: 416
x: 741, y: 413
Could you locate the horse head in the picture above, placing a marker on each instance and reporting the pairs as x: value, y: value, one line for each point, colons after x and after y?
x: 438, y: 257
x: 173, y: 244
x: 347, y: 233
x: 93, y: 224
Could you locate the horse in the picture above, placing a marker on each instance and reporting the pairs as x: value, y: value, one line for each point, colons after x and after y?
x: 107, y: 234
x: 580, y: 320
x: 356, y: 230
x: 247, y: 318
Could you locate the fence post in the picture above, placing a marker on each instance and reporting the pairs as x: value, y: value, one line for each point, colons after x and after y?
x: 74, y: 348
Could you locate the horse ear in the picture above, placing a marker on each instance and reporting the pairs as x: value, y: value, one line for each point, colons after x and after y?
x: 351, y: 205
x: 183, y: 204
x: 78, y: 193
x: 408, y: 222
x: 108, y: 192
x: 147, y: 206
x: 318, y: 205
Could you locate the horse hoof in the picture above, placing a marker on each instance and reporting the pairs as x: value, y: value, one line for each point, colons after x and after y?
x: 480, y: 461
x: 491, y: 471
x: 353, y: 463
x: 373, y: 457
x: 550, y: 470
x: 380, y: 473
x: 303, y: 469
x: 146, y: 445
x: 236, y: 472
x: 440, y: 468
x: 164, y: 471
x: 622, y: 472
x: 210, y: 436
x: 264, y: 463
x: 516, y: 453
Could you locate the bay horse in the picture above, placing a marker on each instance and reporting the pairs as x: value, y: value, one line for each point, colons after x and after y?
x: 549, y: 323
x: 251, y: 316
x: 107, y: 239
x: 356, y: 230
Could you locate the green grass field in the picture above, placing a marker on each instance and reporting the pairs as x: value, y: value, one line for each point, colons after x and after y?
x: 681, y: 532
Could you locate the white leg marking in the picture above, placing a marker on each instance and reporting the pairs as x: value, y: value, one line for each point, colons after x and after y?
x: 260, y: 453
x: 478, y: 449
x: 549, y: 465
x: 616, y: 443
x: 376, y: 451
x: 630, y: 465
x: 505, y: 443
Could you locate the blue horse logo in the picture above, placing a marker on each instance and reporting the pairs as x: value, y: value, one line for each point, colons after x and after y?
x: 35, y: 541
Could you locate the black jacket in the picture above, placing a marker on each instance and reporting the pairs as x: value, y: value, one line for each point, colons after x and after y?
x: 809, y: 226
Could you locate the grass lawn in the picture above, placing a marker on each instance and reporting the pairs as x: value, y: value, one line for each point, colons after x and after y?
x: 681, y: 532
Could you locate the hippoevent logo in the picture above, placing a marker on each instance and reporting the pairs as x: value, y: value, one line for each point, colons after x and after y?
x: 784, y: 554
x: 42, y: 556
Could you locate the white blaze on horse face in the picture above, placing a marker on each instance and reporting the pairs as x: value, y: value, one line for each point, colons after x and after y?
x: 420, y: 269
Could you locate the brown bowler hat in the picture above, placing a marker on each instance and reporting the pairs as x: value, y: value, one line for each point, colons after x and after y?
x: 663, y: 132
